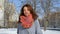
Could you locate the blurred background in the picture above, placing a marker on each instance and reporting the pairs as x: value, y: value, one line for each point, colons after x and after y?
x: 47, y: 10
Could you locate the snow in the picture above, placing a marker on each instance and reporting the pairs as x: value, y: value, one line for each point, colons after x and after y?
x: 14, y: 31
x: 51, y: 32
x: 8, y: 31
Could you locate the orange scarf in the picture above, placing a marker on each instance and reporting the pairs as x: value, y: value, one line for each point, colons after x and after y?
x: 26, y: 22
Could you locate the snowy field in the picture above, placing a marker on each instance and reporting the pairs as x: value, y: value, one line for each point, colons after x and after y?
x: 8, y: 31
x: 14, y: 31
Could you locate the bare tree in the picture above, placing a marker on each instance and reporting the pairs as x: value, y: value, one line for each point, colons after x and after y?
x: 9, y: 10
x: 46, y: 7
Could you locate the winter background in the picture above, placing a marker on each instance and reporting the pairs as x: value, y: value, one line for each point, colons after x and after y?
x: 10, y: 10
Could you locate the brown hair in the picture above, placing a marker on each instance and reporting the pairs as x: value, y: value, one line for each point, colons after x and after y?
x: 34, y: 15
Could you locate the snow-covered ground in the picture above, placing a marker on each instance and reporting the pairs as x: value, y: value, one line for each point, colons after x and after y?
x: 8, y: 31
x: 14, y: 31
x: 51, y: 32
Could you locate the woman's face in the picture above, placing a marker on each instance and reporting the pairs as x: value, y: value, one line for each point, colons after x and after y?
x: 26, y: 11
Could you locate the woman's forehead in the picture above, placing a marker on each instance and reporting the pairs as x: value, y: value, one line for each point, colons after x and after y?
x: 25, y: 8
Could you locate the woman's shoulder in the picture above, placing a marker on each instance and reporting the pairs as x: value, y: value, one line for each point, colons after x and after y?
x: 36, y: 20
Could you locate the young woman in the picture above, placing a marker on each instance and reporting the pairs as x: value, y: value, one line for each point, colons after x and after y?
x: 28, y: 21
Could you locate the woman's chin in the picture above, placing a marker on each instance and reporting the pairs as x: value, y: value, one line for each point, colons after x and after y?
x: 26, y: 15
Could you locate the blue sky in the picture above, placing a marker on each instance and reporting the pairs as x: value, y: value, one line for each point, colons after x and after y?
x: 18, y: 4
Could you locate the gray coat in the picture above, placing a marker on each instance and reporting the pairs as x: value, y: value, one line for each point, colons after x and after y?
x: 35, y: 29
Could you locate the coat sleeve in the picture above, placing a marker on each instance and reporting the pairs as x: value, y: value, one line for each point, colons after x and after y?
x: 37, y: 27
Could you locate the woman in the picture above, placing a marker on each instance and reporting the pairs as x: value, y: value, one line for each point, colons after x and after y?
x: 28, y: 21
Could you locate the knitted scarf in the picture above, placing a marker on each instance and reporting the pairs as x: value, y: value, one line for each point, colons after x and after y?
x: 26, y: 22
